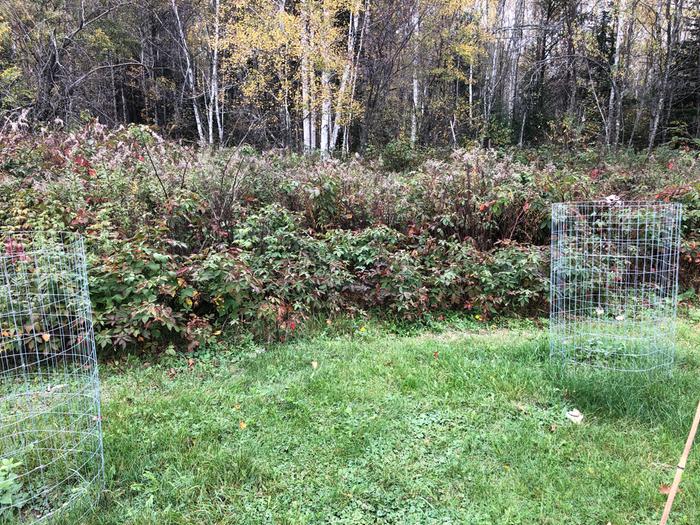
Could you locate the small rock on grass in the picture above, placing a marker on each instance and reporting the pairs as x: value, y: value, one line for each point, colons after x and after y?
x: 574, y: 416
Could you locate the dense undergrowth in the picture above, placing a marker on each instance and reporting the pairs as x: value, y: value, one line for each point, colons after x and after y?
x: 185, y: 244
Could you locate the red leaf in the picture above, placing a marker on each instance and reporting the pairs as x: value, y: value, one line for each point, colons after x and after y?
x: 665, y: 489
x: 81, y: 161
x: 81, y: 218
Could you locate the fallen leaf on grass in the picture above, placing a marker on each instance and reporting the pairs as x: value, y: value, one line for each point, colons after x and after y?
x: 574, y: 416
x: 45, y: 337
x: 314, y: 364
x: 190, y: 363
x: 242, y: 425
x: 666, y: 489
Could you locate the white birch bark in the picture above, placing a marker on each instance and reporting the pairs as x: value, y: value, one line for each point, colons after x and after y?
x: 471, y: 91
x: 285, y: 77
x: 353, y: 76
x: 325, y: 86
x: 514, y: 52
x: 610, y: 131
x: 189, y: 73
x: 673, y: 17
x: 313, y: 91
x: 344, y: 81
x: 305, y: 80
x: 325, y: 111
x: 415, y: 21
x: 492, y: 80
x: 213, y: 108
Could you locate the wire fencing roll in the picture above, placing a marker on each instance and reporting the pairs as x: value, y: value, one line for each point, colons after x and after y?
x: 51, y: 458
x: 614, y: 284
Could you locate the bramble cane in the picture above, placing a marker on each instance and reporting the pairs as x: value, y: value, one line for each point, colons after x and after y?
x: 681, y: 467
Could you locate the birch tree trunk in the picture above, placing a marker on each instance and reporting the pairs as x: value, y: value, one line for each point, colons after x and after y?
x: 492, y: 79
x: 514, y: 55
x: 325, y: 111
x: 189, y: 73
x: 312, y: 105
x: 415, y: 21
x: 326, y: 85
x: 353, y: 76
x: 305, y: 77
x: 673, y: 18
x: 347, y: 68
x: 615, y: 77
x: 471, y: 92
x: 286, y: 117
x: 625, y: 73
x: 114, y: 95
x: 313, y: 92
x: 213, y: 108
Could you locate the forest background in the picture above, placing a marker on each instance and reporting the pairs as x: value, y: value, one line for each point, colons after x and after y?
x: 252, y: 167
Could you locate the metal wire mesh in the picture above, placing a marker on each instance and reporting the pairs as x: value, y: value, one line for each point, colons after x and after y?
x: 614, y: 284
x: 50, y: 425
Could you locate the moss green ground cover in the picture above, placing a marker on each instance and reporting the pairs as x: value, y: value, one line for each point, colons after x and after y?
x: 462, y: 425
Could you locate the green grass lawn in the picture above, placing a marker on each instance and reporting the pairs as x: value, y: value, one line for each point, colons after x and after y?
x: 466, y: 425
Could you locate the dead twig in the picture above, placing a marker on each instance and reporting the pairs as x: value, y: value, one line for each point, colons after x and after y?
x: 155, y: 171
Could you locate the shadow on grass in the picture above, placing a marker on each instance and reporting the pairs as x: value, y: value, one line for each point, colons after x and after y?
x: 652, y: 398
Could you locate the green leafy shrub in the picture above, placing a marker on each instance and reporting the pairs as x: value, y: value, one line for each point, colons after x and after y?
x: 399, y: 155
x: 186, y: 244
x: 11, y: 494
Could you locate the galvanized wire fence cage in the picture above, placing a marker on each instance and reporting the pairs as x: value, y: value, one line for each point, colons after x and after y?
x: 614, y: 284
x: 51, y: 462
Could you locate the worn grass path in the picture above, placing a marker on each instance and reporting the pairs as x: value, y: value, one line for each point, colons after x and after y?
x: 464, y: 426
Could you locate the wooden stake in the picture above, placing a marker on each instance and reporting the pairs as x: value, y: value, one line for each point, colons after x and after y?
x: 681, y: 467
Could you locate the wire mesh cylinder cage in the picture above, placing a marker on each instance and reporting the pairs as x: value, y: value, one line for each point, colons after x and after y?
x: 51, y: 462
x: 614, y: 284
